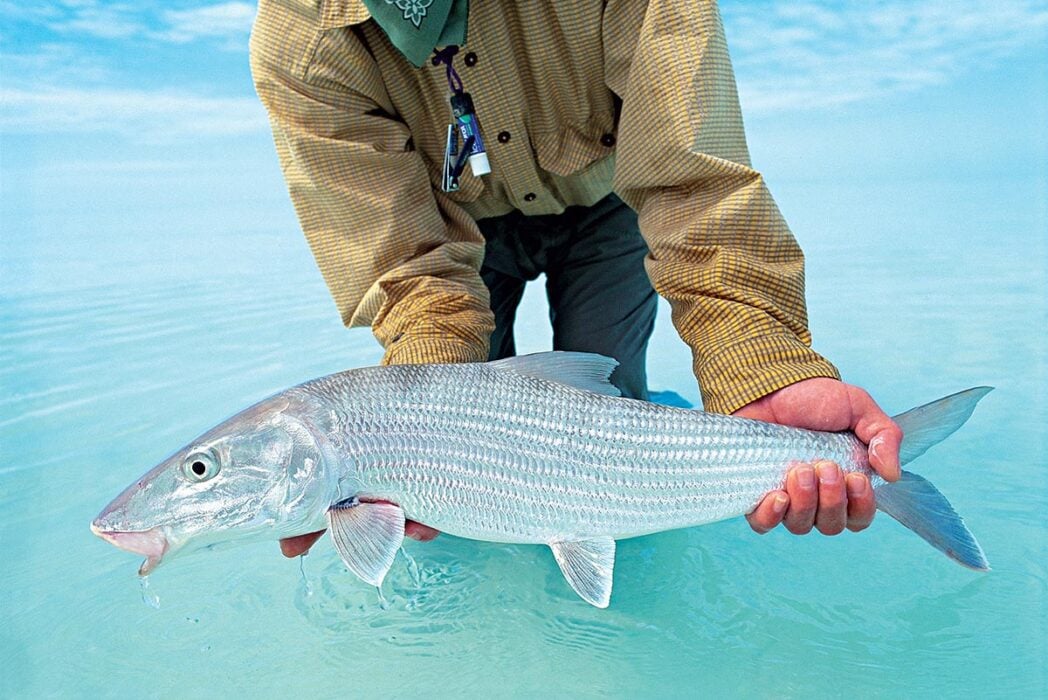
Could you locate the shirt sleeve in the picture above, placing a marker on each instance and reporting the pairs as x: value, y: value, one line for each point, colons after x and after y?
x: 395, y: 254
x: 720, y: 250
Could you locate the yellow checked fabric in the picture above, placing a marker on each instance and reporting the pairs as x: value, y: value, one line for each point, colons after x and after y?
x: 360, y: 134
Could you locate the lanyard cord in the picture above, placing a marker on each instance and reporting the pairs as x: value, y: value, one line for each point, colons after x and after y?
x: 446, y: 55
x: 465, y: 118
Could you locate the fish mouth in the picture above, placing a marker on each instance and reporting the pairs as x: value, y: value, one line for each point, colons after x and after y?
x: 149, y: 543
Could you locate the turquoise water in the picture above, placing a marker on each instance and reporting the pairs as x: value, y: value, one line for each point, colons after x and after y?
x: 112, y: 358
x: 153, y: 281
x: 117, y: 350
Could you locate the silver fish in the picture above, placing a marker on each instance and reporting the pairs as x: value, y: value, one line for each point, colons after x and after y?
x: 533, y: 449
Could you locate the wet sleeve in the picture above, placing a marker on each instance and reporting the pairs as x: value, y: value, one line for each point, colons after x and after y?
x: 720, y: 250
x: 395, y: 254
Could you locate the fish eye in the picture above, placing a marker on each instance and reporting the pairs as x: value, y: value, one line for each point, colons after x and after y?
x: 200, y: 466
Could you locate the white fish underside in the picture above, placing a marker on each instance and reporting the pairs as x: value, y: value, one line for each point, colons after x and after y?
x: 495, y: 455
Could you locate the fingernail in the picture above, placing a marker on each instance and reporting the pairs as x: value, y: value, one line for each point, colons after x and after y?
x: 829, y: 474
x: 778, y: 506
x: 806, y: 478
x: 856, y: 485
x: 875, y: 448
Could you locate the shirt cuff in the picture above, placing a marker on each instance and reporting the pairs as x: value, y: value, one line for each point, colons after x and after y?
x: 754, y: 368
x: 428, y: 350
x: 428, y: 324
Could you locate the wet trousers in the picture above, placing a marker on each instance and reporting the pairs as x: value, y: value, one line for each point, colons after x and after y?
x: 600, y: 298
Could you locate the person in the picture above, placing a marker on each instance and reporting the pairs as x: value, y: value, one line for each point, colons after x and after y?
x: 618, y: 165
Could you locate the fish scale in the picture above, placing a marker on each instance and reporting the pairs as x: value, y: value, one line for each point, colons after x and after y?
x: 502, y: 456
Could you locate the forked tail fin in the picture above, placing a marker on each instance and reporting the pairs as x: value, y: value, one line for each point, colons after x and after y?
x: 913, y: 500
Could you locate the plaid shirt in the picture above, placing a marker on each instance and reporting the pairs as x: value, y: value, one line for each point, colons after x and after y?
x: 575, y: 100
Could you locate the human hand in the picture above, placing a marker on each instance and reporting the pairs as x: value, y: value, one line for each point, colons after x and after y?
x: 819, y: 494
x: 300, y: 544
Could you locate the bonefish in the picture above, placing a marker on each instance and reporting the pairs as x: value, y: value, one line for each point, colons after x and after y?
x: 533, y: 449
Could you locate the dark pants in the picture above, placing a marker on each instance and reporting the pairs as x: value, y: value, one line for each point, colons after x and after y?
x: 599, y: 294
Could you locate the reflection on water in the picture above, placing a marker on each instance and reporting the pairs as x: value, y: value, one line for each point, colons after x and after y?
x: 101, y: 383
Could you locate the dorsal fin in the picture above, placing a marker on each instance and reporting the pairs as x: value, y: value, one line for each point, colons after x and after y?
x: 582, y: 370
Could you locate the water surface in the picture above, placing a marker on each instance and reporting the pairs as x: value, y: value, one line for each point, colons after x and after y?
x: 118, y: 350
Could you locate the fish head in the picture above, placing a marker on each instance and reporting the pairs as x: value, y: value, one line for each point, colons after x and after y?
x: 260, y: 475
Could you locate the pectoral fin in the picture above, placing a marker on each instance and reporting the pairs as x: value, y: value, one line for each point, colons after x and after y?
x: 588, y: 565
x: 367, y: 536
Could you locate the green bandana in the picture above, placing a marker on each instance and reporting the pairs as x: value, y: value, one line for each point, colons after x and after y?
x: 416, y: 27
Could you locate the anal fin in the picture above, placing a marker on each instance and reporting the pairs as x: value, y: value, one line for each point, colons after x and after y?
x: 367, y: 537
x: 588, y: 566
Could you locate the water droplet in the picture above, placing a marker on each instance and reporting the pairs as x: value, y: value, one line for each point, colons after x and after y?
x: 413, y: 569
x: 306, y: 585
x: 382, y: 602
x: 148, y: 597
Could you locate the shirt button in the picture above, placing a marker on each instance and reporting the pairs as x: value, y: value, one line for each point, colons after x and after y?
x: 471, y: 59
x: 607, y: 140
x: 529, y: 197
x: 503, y: 137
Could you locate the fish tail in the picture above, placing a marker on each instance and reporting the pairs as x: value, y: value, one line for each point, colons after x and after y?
x: 913, y: 500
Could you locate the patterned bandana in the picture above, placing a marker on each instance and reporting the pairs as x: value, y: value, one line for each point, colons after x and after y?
x: 416, y: 27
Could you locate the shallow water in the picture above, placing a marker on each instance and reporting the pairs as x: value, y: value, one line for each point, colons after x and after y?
x: 111, y: 359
